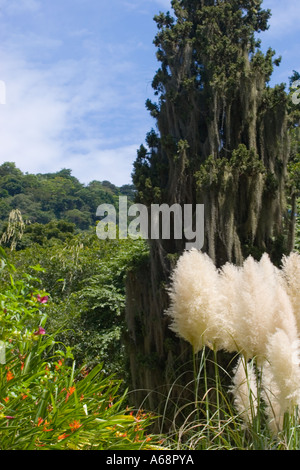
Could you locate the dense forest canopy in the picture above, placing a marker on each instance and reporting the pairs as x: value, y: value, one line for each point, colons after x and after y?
x: 54, y: 202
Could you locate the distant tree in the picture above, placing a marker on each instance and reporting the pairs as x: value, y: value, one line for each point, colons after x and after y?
x: 81, y: 220
x: 12, y: 184
x: 9, y: 168
x: 108, y: 185
x: 40, y: 234
x: 129, y: 191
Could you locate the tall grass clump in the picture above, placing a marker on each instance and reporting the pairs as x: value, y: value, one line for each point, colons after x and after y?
x: 251, y: 313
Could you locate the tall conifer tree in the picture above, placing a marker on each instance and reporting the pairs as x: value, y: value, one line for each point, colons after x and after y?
x: 222, y: 141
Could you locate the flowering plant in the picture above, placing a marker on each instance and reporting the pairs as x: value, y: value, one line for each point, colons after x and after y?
x: 45, y: 400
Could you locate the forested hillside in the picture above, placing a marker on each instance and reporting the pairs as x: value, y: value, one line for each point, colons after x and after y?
x: 52, y: 197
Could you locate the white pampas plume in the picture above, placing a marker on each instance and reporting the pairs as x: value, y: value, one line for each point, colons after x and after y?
x: 230, y: 286
x: 249, y: 305
x: 244, y: 390
x: 195, y: 301
x: 280, y: 306
x: 281, y: 378
x: 291, y: 277
x: 256, y: 304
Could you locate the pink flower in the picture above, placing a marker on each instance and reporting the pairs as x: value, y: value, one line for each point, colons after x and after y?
x: 42, y: 300
x: 40, y: 331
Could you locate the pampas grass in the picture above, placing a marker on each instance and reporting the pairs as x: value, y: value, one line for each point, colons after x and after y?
x: 196, y: 301
x: 291, y: 278
x: 281, y: 378
x: 244, y: 390
x: 253, y: 310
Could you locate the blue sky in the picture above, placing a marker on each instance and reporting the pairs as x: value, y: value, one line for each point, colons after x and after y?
x: 77, y: 75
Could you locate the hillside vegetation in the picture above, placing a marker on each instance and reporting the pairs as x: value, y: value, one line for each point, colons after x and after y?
x: 52, y: 197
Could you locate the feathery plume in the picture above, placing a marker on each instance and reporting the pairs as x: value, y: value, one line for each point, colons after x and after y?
x: 244, y: 390
x: 255, y: 305
x: 256, y: 308
x: 281, y: 378
x: 195, y: 301
x: 230, y: 287
x: 291, y: 277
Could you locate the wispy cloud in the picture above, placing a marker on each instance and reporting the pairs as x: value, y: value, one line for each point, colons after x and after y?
x: 73, y: 113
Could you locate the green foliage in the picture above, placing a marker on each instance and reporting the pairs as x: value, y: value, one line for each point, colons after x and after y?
x: 243, y: 162
x: 86, y: 278
x: 43, y: 198
x: 294, y: 163
x: 45, y: 400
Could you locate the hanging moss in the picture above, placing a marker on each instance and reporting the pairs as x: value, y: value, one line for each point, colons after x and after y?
x: 222, y: 141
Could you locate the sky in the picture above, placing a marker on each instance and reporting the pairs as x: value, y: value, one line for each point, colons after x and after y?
x: 75, y: 76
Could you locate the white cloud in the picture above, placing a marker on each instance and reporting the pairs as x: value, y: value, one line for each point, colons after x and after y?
x: 32, y: 118
x: 113, y: 164
x: 71, y: 113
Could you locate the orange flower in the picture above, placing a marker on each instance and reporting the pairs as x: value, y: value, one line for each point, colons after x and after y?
x: 6, y: 399
x: 9, y: 376
x: 38, y: 443
x: 59, y: 364
x: 40, y: 420
x: 45, y: 427
x: 74, y: 425
x: 62, y: 436
x: 70, y: 391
